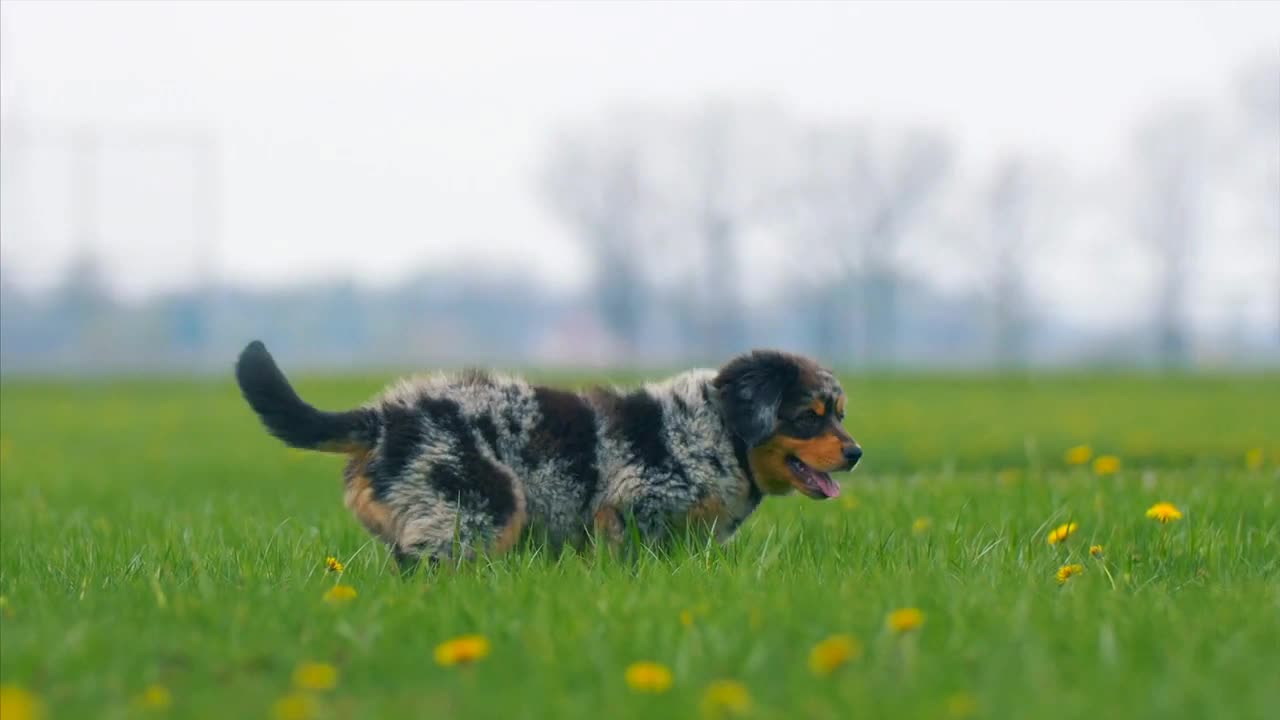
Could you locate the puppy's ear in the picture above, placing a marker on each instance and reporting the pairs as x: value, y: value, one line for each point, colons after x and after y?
x: 751, y: 389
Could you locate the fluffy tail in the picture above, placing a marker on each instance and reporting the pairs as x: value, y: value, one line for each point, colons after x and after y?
x: 292, y: 420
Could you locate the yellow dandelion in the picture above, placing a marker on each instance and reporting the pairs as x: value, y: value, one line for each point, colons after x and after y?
x: 332, y: 565
x: 155, y: 697
x: 1009, y: 476
x: 294, y: 706
x: 723, y: 698
x: 961, y: 705
x: 18, y: 704
x: 315, y: 676
x: 1164, y: 512
x: 833, y: 652
x: 686, y: 618
x: 340, y: 594
x: 650, y: 677
x: 1062, y: 532
x: 849, y: 502
x: 921, y: 525
x: 1078, y: 455
x: 905, y: 620
x: 1066, y: 572
x: 1106, y: 465
x: 1095, y: 550
x: 1253, y: 459
x: 462, y: 650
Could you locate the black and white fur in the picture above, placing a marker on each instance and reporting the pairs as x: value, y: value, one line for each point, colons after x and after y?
x: 474, y: 462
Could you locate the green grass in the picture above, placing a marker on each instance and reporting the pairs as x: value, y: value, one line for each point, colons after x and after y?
x: 151, y: 533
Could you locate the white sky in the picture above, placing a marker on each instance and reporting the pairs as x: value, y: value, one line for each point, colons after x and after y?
x: 366, y: 140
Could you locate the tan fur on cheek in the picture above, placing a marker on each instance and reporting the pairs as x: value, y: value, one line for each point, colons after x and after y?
x: 769, y: 466
x: 824, y: 453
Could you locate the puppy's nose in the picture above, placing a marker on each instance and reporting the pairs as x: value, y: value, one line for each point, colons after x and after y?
x: 852, y: 454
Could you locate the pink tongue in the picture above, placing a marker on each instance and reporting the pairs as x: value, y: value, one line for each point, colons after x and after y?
x: 828, y: 486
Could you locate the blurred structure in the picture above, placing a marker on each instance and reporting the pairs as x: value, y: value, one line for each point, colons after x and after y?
x: 705, y: 228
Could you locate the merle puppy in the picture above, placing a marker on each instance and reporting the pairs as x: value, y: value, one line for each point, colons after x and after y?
x: 473, y: 462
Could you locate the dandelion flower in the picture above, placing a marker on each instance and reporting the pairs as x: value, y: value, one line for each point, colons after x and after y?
x: 19, y: 704
x: 905, y: 620
x: 155, y: 697
x: 686, y: 618
x: 1095, y: 550
x: 1164, y: 512
x: 462, y: 650
x: 725, y: 697
x: 1066, y: 572
x: 294, y: 706
x: 961, y: 705
x: 833, y: 652
x: 1009, y: 476
x: 315, y: 676
x: 1253, y: 459
x: 332, y: 565
x: 849, y: 502
x: 339, y: 594
x: 1062, y: 532
x: 648, y: 677
x: 1078, y: 455
x: 921, y: 525
x: 1106, y: 465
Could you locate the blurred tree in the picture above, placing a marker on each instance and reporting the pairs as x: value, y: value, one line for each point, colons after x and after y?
x: 83, y: 307
x: 595, y: 185
x: 1171, y: 162
x: 717, y: 186
x: 1008, y: 207
x: 1259, y: 94
x: 855, y: 198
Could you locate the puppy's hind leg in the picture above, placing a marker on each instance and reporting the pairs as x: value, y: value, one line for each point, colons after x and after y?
x: 489, y: 517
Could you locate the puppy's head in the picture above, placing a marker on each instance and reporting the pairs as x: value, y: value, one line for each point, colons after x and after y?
x: 788, y: 411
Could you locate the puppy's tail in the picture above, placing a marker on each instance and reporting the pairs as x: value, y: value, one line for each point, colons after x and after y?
x: 292, y: 420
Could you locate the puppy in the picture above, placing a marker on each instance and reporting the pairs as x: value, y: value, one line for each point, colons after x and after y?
x: 444, y: 466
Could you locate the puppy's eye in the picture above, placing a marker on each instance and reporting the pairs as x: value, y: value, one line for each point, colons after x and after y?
x: 809, y: 418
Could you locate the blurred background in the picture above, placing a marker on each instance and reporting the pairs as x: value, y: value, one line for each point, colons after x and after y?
x: 944, y: 185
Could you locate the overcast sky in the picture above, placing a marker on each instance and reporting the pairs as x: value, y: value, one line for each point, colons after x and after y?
x: 366, y: 140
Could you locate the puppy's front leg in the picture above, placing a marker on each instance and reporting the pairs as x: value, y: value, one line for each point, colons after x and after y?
x: 608, y: 526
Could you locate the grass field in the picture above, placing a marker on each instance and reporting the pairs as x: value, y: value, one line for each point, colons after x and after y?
x: 161, y: 556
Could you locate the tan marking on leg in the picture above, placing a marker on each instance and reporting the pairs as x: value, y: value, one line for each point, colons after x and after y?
x: 510, y: 533
x: 608, y: 525
x: 711, y: 512
x: 713, y: 517
x: 374, y: 515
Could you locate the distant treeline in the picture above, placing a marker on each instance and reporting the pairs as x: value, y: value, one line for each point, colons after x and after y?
x: 447, y: 319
